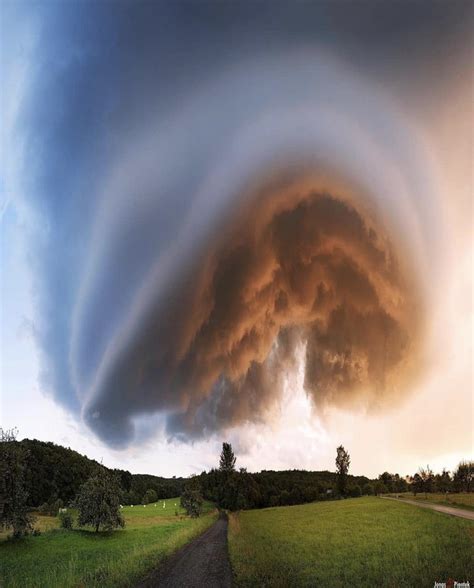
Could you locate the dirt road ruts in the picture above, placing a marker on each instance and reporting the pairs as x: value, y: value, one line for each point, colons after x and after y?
x: 204, y: 562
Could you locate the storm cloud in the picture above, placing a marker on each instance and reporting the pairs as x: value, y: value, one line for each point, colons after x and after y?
x: 218, y: 194
x: 295, y: 268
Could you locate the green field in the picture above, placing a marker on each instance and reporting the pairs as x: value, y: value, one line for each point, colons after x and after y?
x: 355, y: 542
x: 82, y: 558
x: 457, y: 500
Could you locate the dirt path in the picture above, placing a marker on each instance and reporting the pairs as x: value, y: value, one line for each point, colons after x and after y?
x: 456, y: 512
x: 204, y: 562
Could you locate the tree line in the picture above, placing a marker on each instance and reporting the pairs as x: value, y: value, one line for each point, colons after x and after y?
x: 43, y: 476
x: 233, y: 488
x: 236, y: 489
x: 97, y: 499
x: 54, y: 474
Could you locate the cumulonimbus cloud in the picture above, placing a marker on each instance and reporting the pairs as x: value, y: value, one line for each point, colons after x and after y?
x: 296, y: 267
x: 305, y: 231
x: 193, y: 250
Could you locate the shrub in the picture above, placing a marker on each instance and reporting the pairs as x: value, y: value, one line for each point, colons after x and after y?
x: 66, y: 520
x: 355, y: 491
x: 150, y: 496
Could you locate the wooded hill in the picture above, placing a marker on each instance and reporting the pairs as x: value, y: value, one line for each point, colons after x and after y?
x: 242, y: 490
x: 56, y: 473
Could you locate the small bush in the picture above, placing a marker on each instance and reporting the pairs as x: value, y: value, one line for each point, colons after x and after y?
x: 66, y: 521
x: 368, y: 490
x: 36, y: 533
x: 150, y: 496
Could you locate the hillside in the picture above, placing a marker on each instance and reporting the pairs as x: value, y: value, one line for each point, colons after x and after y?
x: 56, y: 472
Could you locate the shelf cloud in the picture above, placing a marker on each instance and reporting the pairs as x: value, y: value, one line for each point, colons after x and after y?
x: 295, y: 267
x: 213, y: 212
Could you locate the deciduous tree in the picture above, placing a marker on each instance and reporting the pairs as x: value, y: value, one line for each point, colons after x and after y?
x: 426, y: 476
x: 98, y: 502
x: 464, y: 476
x: 191, y: 498
x: 443, y: 481
x: 13, y: 495
x: 150, y: 496
x: 416, y: 484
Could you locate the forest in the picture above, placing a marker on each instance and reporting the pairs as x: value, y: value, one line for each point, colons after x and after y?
x: 53, y: 476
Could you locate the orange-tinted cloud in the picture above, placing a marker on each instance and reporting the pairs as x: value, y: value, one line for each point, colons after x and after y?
x: 295, y: 265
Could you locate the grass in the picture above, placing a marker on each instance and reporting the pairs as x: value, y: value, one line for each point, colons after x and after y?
x: 82, y: 558
x: 355, y: 542
x: 456, y: 500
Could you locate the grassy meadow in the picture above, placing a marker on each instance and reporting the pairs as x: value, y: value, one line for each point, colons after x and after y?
x: 82, y: 558
x: 457, y: 500
x: 355, y: 542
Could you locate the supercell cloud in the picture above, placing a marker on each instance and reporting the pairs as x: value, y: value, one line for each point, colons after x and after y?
x: 222, y: 198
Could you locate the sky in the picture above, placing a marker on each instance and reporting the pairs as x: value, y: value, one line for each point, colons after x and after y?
x: 238, y: 221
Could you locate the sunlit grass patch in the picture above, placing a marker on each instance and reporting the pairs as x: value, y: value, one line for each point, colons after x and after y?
x: 80, y: 557
x: 356, y: 542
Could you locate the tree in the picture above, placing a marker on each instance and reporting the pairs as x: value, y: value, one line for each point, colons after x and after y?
x: 368, y: 489
x: 426, y: 476
x: 54, y: 472
x: 416, y: 484
x: 98, y: 502
x: 284, y: 498
x: 227, y: 459
x: 131, y: 497
x: 399, y: 484
x: 13, y: 495
x: 464, y: 476
x: 380, y: 488
x: 386, y: 480
x: 150, y: 496
x: 443, y: 481
x: 239, y: 491
x: 191, y: 498
x: 355, y: 491
x: 343, y: 461
x: 125, y: 478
